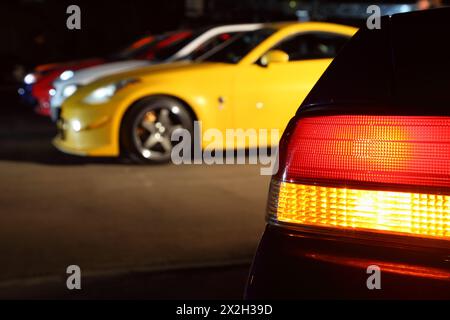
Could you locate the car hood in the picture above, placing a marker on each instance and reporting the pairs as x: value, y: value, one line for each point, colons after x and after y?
x: 160, y: 71
x: 88, y: 75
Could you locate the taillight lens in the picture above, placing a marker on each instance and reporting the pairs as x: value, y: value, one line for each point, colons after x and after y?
x: 376, y: 173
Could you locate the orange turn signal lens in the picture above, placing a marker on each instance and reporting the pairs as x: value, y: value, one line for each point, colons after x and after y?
x: 418, y: 214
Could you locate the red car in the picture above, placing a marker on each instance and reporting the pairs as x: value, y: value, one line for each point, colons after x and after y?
x: 48, y: 71
x: 45, y: 75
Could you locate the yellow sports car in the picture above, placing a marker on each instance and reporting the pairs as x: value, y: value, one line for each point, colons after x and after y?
x: 255, y: 80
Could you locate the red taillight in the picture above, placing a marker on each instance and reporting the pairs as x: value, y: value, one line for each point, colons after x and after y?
x: 354, y: 171
x: 380, y: 149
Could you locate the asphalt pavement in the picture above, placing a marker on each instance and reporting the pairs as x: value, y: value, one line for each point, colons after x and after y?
x: 136, y: 231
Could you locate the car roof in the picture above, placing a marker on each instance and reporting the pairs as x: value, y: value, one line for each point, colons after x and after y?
x: 300, y: 25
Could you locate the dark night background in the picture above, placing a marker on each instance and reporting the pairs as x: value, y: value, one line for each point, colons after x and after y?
x: 34, y: 31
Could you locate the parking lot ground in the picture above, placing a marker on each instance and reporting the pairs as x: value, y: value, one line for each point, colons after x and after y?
x: 164, y: 231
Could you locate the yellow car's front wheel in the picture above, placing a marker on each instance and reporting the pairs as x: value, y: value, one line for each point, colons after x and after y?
x: 147, y: 128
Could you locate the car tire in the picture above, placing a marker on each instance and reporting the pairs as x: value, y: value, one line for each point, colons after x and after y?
x: 147, y: 127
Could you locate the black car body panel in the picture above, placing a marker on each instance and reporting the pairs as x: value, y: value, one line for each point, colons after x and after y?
x: 401, y: 69
x: 296, y: 264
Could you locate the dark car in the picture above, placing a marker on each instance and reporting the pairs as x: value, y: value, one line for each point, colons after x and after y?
x: 360, y: 206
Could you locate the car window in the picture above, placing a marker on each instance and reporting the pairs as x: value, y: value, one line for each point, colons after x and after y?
x: 403, y: 66
x: 138, y: 47
x: 238, y: 47
x: 421, y: 57
x: 312, y: 46
x: 209, y: 45
x: 361, y: 72
x: 173, y: 45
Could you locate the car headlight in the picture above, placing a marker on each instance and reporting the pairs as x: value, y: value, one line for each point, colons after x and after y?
x: 105, y: 93
x: 66, y: 75
x: 69, y: 90
x: 29, y: 78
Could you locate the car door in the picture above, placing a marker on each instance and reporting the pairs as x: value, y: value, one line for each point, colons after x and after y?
x: 267, y: 96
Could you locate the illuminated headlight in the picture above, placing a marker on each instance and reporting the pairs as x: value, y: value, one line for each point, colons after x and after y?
x: 69, y: 90
x: 101, y: 95
x: 105, y: 93
x: 52, y: 92
x: 29, y: 78
x: 66, y: 75
x: 76, y: 125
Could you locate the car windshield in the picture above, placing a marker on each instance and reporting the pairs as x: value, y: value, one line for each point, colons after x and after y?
x: 158, y: 48
x: 237, y: 47
x: 166, y: 49
x: 139, y: 47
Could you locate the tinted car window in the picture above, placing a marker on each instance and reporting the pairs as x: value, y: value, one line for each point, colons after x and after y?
x: 238, y: 47
x: 209, y: 45
x: 167, y: 51
x: 361, y: 72
x: 402, y: 67
x: 138, y: 48
x: 312, y: 46
x: 159, y: 49
x: 421, y: 56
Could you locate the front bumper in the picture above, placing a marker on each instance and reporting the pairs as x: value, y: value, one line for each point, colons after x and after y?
x: 55, y: 113
x: 57, y: 101
x: 94, y: 134
x: 42, y: 108
x: 293, y: 264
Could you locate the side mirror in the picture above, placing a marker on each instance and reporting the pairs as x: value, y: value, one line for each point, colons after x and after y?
x: 274, y: 56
